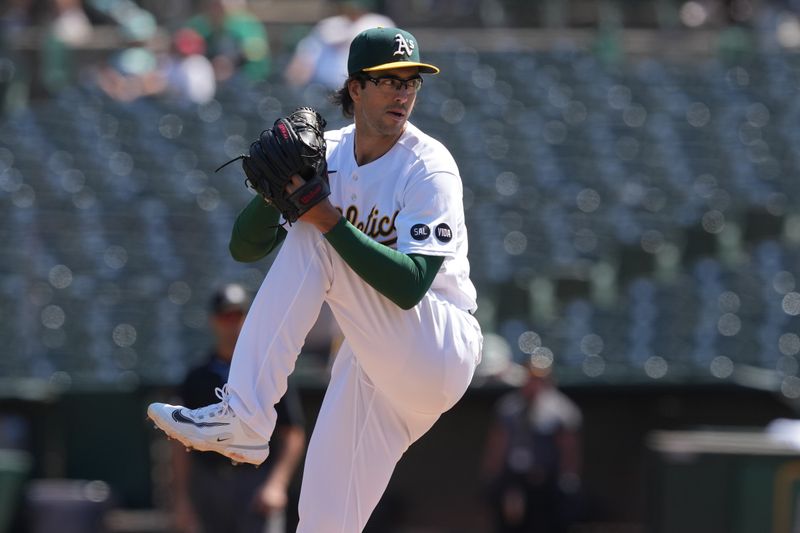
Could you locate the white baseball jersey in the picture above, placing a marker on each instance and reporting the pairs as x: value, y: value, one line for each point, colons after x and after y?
x: 396, y: 371
x: 410, y: 199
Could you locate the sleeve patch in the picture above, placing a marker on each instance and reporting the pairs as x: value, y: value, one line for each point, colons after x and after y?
x: 420, y: 232
x: 443, y: 233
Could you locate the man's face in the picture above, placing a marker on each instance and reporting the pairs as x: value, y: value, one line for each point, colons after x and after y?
x: 385, y: 102
x: 227, y: 325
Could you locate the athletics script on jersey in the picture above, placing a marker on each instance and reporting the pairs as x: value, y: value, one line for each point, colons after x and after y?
x: 378, y: 227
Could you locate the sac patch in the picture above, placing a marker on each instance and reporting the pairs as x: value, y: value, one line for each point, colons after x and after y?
x: 420, y: 232
x: 443, y: 233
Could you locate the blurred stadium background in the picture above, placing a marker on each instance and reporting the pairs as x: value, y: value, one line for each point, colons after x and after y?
x: 631, y: 190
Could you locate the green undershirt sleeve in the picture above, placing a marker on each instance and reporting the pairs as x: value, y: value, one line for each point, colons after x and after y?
x: 256, y: 232
x: 404, y: 279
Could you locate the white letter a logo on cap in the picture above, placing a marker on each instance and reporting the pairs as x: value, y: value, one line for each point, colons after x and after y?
x: 403, y: 47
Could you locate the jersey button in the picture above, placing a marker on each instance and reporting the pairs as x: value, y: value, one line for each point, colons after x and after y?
x: 355, y: 177
x: 354, y: 197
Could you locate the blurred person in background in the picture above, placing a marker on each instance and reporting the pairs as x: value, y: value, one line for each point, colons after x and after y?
x: 212, y: 495
x: 236, y: 41
x: 174, y: 66
x: 68, y: 28
x: 132, y: 70
x: 321, y: 57
x: 187, y: 74
x: 532, y: 458
x: 70, y: 24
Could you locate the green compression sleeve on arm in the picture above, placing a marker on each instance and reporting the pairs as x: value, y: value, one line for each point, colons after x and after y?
x: 256, y: 231
x: 404, y: 279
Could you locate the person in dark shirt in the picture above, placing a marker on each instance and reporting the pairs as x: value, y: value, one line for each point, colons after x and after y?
x: 532, y: 458
x: 211, y: 494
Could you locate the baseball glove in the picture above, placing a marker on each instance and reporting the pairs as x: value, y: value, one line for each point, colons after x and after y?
x: 294, y: 145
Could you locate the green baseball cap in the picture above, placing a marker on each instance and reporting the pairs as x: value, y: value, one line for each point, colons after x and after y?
x: 385, y: 48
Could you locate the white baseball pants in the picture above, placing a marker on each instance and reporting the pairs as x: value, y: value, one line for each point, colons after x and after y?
x: 395, y: 374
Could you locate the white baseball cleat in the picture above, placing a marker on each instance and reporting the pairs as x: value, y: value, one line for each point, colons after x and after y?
x: 214, y: 428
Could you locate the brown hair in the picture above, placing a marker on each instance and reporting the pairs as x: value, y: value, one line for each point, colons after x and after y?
x: 342, y: 96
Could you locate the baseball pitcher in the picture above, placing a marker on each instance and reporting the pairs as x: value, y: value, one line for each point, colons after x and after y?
x: 371, y: 221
